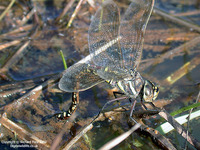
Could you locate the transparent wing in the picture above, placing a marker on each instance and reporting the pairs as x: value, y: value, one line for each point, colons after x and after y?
x: 79, y: 77
x: 104, y: 42
x: 132, y: 29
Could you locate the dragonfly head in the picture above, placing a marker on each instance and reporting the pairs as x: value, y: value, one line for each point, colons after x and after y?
x: 149, y: 92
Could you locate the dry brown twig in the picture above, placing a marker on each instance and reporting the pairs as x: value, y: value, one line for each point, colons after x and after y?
x: 65, y: 10
x: 27, y: 17
x: 18, y: 30
x: 102, y: 116
x: 78, y: 136
x: 160, y: 140
x: 32, y: 92
x: 120, y: 138
x: 164, y: 114
x: 92, y: 3
x: 22, y: 133
x: 183, y: 70
x: 176, y: 19
x: 190, y: 13
x: 16, y: 87
x: 7, y: 9
x: 16, y: 57
x: 188, y: 118
x: 186, y: 46
x: 74, y: 13
x: 12, y: 43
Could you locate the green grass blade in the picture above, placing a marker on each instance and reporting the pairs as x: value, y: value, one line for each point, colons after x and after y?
x: 63, y: 59
x: 185, y: 109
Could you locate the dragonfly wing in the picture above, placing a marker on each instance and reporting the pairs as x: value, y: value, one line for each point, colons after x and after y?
x: 79, y: 77
x: 104, y: 38
x: 132, y: 29
x: 113, y: 73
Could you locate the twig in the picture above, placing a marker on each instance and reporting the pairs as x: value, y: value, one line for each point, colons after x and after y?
x: 22, y: 133
x: 65, y: 10
x: 120, y: 138
x: 188, y: 118
x: 16, y: 87
x: 100, y: 116
x: 174, y: 51
x: 7, y: 9
x: 190, y: 13
x: 166, y: 127
x: 78, y: 136
x: 16, y: 57
x: 179, y: 128
x: 161, y: 140
x: 24, y: 28
x: 59, y: 136
x: 91, y: 2
x: 187, y: 67
x: 176, y: 19
x: 32, y: 92
x: 6, y: 45
x: 27, y: 17
x: 74, y: 14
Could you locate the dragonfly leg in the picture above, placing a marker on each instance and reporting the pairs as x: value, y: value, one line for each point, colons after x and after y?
x: 75, y: 101
x: 119, y: 93
x: 133, y: 109
x: 152, y: 104
x: 156, y: 108
x: 116, y: 92
x: 144, y: 105
x: 110, y: 101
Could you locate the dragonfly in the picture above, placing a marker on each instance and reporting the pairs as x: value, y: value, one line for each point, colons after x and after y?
x: 115, y: 46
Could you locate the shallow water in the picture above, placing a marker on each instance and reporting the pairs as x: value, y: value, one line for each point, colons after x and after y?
x: 40, y: 64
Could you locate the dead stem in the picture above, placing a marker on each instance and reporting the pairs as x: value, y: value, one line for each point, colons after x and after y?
x: 170, y: 54
x: 32, y: 92
x: 7, y: 9
x: 78, y: 136
x: 120, y: 138
x: 15, y: 58
x: 16, y: 87
x: 22, y: 133
x: 99, y: 117
x: 65, y: 10
x: 74, y: 13
x: 89, y: 126
x: 92, y: 3
x: 20, y: 29
x: 58, y: 138
x: 27, y: 17
x: 161, y: 140
x: 188, y: 122
x: 195, y: 12
x: 6, y: 45
x: 164, y: 114
x: 176, y: 20
x: 187, y: 67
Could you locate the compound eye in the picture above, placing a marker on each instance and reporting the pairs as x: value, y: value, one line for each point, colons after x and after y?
x: 147, y: 92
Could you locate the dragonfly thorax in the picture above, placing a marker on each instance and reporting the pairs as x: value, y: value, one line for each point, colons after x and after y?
x: 131, y: 86
x: 136, y: 86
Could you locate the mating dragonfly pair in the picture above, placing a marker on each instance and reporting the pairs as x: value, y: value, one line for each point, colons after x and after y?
x: 115, y: 51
